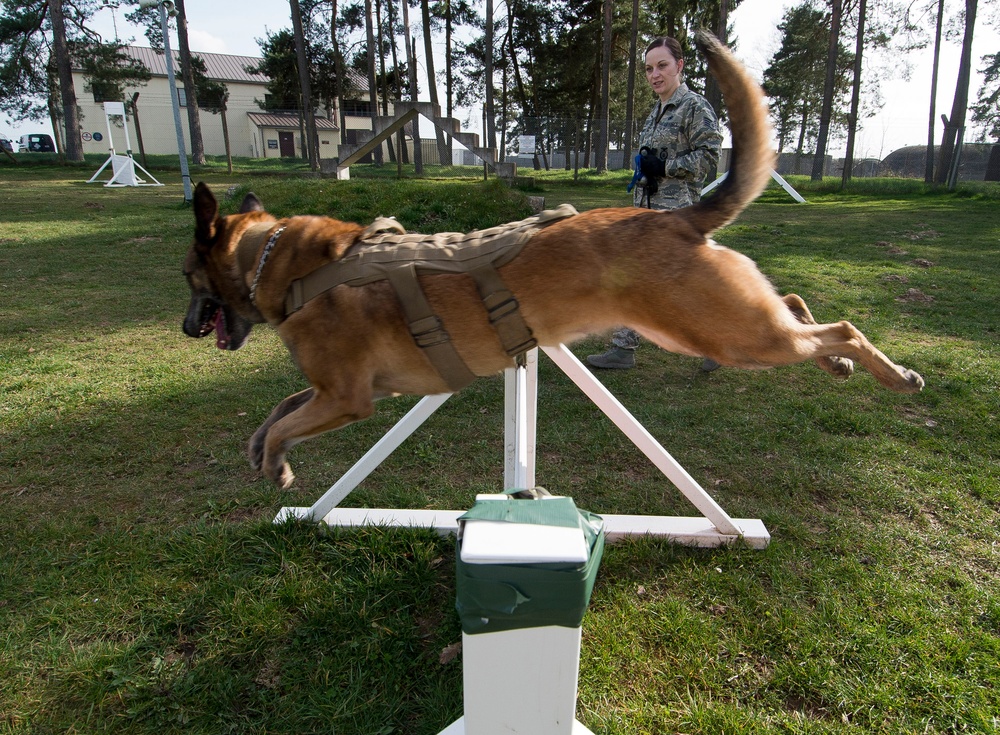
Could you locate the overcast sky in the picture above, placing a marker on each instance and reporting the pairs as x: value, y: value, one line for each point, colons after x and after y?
x: 231, y: 27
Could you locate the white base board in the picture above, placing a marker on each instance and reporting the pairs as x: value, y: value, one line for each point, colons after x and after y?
x: 688, y: 531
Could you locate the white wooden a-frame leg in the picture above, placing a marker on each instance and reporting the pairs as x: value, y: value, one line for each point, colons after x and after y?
x: 385, y: 446
x: 774, y: 175
x: 643, y: 440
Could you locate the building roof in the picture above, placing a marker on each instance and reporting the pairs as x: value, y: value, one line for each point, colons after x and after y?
x: 267, y: 120
x: 220, y: 67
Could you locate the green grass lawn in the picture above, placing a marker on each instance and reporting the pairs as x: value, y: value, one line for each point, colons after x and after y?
x: 144, y: 588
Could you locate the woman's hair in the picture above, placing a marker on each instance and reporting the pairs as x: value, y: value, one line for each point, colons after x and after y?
x: 670, y: 44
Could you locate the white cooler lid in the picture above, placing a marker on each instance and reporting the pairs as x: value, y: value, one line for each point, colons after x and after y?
x: 500, y: 542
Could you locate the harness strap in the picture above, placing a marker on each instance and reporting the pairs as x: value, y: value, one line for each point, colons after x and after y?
x: 426, y: 328
x: 401, y: 258
x: 504, y: 311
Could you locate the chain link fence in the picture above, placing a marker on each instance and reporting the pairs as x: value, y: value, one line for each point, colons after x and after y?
x: 571, y: 143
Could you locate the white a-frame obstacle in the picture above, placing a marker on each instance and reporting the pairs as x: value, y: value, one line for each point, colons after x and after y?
x: 122, y: 167
x: 774, y: 175
x: 713, y: 528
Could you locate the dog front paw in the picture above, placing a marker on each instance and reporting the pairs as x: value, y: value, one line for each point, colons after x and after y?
x: 282, y: 476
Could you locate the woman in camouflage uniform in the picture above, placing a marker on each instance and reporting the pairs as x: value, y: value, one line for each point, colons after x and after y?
x: 678, y: 145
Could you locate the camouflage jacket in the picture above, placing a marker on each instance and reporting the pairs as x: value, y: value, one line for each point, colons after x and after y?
x: 688, y: 131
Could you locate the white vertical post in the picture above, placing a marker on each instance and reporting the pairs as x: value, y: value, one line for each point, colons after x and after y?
x: 520, y: 422
x: 111, y: 140
x: 538, y: 667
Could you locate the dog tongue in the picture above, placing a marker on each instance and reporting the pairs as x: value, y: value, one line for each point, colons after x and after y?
x: 221, y: 337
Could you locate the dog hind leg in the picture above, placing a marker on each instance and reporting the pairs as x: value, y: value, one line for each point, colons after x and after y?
x: 839, y: 367
x: 843, y: 339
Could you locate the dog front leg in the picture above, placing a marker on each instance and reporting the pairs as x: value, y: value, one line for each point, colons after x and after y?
x: 292, y: 403
x: 304, y: 419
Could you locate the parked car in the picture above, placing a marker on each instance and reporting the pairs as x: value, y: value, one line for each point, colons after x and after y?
x: 37, y: 143
x: 6, y: 145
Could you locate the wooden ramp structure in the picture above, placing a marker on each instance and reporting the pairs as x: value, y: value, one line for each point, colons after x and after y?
x: 386, y: 126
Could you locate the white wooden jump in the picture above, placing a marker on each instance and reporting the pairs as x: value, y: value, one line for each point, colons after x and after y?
x: 712, y: 528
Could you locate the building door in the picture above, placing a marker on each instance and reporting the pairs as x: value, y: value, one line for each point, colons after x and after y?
x: 286, y: 144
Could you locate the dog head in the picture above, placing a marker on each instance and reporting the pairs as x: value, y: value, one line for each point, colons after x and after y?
x: 220, y: 300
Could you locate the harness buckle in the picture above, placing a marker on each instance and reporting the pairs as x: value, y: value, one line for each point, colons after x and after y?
x: 428, y: 332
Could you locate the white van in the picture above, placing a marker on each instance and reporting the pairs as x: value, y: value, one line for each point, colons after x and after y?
x: 37, y: 143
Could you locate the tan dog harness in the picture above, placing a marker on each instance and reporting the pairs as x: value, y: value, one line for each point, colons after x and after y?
x: 400, y: 258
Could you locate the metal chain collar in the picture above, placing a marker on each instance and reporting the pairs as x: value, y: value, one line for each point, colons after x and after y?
x: 263, y: 259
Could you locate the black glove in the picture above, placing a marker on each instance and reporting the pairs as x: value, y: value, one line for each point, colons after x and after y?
x: 652, y: 167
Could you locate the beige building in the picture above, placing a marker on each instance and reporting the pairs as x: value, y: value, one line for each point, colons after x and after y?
x: 253, y: 132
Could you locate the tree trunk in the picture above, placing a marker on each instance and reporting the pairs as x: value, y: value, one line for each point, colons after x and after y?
x: 828, y: 90
x: 338, y: 72
x: 138, y: 130
x: 801, y: 144
x: 64, y: 68
x: 504, y: 89
x: 956, y: 122
x: 602, y: 130
x: 852, y: 120
x: 568, y: 140
x: 929, y: 161
x: 190, y: 91
x: 311, y: 138
x: 397, y: 75
x: 385, y: 79
x: 225, y: 137
x: 372, y: 96
x: 713, y: 93
x: 630, y: 95
x: 491, y: 131
x: 54, y: 121
x: 411, y: 69
x: 431, y: 77
x: 449, y: 109
x: 530, y: 122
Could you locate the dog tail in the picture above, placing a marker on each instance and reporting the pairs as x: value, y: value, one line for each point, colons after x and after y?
x: 752, y: 155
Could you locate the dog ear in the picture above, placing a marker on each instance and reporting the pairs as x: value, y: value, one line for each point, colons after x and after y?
x: 206, y: 212
x: 251, y: 204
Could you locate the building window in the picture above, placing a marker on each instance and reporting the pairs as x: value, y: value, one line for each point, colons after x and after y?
x: 106, y: 93
x: 357, y: 108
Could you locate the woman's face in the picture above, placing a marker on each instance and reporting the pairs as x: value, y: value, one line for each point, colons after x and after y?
x: 663, y: 72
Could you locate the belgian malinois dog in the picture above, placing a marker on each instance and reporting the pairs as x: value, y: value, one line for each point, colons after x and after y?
x: 655, y: 271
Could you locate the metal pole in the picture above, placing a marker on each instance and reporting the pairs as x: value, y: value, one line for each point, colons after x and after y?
x: 185, y: 176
